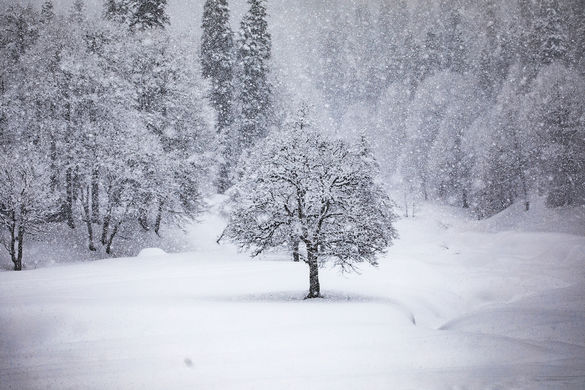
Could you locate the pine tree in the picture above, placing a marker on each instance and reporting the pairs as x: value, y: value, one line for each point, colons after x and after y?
x: 147, y: 14
x: 453, y: 44
x: 217, y: 62
x: 47, y: 11
x: 254, y: 52
x: 117, y: 10
x: 77, y: 13
x: 553, y: 112
x: 550, y: 32
x: 499, y: 168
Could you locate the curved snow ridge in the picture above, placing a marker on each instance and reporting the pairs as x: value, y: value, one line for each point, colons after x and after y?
x: 327, y: 298
x: 555, y: 315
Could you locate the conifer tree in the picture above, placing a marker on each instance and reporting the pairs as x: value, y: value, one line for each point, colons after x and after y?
x: 47, y: 11
x: 117, y: 10
x: 550, y: 32
x: 148, y: 14
x: 77, y: 13
x: 254, y: 52
x: 217, y: 66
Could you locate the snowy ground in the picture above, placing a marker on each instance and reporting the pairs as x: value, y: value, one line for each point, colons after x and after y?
x: 455, y: 304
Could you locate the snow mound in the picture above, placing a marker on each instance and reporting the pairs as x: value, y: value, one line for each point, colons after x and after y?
x: 151, y: 252
x: 539, y: 218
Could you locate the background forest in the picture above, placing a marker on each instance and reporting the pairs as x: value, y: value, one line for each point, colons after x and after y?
x: 119, y: 117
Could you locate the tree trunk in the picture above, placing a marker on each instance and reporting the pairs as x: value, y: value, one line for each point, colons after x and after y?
x: 69, y: 201
x: 465, y: 202
x: 314, y: 287
x: 525, y: 191
x: 85, y: 202
x: 89, y: 231
x: 95, y: 202
x: 111, y: 238
x: 12, y: 248
x: 105, y: 228
x: 296, y: 255
x: 18, y: 262
x: 54, y: 172
x: 158, y: 217
x: 143, y: 219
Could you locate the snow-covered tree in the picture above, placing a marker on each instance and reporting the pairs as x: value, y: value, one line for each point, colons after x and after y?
x: 47, y: 11
x: 148, y: 14
x: 25, y: 199
x: 553, y: 112
x: 18, y: 32
x: 117, y: 10
x: 427, y: 111
x: 297, y: 185
x: 447, y: 168
x: 77, y: 12
x: 172, y: 101
x: 254, y: 47
x: 499, y: 157
x: 550, y: 32
x: 217, y: 65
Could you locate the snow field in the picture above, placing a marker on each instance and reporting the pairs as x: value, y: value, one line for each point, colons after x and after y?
x: 447, y: 308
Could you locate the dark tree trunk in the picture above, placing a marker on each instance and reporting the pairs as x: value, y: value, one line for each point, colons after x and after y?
x: 105, y: 228
x: 158, y: 218
x: 465, y: 202
x: 95, y: 201
x: 89, y: 232
x: 85, y: 201
x: 18, y: 262
x: 314, y: 287
x: 111, y: 238
x: 54, y: 171
x: 296, y: 255
x: 143, y: 219
x: 69, y: 188
x: 525, y: 191
x: 13, y: 239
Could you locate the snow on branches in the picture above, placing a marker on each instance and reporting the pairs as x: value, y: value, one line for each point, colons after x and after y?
x: 298, y: 186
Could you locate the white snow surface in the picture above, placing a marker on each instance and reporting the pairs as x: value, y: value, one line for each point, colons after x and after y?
x: 454, y: 304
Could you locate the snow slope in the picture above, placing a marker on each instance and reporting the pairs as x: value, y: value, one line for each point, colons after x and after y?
x: 454, y: 305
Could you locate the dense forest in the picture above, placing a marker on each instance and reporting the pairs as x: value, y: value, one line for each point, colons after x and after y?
x: 114, y: 121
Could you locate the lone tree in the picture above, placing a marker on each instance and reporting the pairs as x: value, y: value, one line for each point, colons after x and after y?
x: 300, y: 186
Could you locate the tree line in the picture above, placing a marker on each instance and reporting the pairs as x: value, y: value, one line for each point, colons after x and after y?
x: 114, y: 124
x: 474, y: 104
